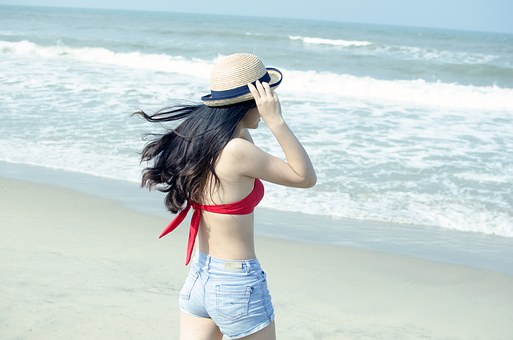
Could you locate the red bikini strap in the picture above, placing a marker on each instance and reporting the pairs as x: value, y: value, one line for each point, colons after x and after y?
x: 193, y: 230
x: 176, y: 221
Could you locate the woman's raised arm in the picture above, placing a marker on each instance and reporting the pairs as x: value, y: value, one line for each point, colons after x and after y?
x: 297, y: 170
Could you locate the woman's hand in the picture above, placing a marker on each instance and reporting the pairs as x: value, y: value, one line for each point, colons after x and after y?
x: 297, y: 171
x: 268, y: 103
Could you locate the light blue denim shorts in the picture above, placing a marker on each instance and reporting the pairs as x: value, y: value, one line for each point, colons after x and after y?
x: 233, y: 294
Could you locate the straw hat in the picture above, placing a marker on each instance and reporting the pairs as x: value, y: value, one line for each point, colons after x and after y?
x: 230, y: 76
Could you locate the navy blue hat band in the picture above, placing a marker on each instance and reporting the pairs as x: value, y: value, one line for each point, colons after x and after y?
x: 235, y: 92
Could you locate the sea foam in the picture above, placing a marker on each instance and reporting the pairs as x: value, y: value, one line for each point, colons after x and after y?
x: 333, y: 42
x: 410, y: 92
x: 138, y: 60
x: 305, y: 84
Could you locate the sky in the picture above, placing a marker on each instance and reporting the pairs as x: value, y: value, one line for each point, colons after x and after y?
x: 474, y: 15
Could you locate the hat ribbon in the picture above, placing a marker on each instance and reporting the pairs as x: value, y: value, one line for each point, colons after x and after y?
x: 235, y: 92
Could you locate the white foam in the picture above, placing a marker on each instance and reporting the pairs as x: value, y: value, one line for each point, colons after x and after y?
x: 75, y: 158
x: 158, y: 62
x: 457, y: 216
x: 333, y: 42
x: 310, y: 85
x: 412, y: 92
x: 483, y: 178
x: 409, y: 208
x: 433, y: 54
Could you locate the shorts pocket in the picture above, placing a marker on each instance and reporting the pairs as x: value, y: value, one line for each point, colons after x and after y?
x: 186, y: 290
x: 232, y: 301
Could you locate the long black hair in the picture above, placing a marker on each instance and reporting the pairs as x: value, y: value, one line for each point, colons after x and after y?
x: 184, y: 157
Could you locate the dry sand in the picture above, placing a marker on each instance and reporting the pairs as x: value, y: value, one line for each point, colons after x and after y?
x: 74, y: 266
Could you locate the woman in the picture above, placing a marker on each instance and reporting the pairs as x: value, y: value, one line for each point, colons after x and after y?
x: 209, y: 162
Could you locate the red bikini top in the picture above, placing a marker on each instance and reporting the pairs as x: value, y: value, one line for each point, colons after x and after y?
x: 243, y: 207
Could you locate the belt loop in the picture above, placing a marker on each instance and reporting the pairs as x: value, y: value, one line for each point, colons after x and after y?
x: 247, y: 266
x: 208, y: 263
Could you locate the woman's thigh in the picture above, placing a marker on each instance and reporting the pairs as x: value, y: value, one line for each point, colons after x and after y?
x: 196, y: 328
x: 268, y: 333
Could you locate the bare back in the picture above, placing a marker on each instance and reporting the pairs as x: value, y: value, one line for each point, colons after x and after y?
x: 221, y: 235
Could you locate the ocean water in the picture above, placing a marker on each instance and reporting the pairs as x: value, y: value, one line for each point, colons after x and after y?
x: 410, y: 127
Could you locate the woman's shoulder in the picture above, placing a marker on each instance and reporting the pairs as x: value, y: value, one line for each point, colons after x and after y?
x: 236, y: 151
x: 238, y: 146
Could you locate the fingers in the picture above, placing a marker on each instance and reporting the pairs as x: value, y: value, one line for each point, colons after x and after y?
x: 267, y: 89
x: 260, y: 90
x: 254, y: 91
x: 264, y: 89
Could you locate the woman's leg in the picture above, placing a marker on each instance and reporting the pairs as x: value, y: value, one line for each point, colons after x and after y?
x: 268, y: 333
x: 196, y: 328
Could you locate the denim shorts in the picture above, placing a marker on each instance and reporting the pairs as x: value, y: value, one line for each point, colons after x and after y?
x: 233, y: 294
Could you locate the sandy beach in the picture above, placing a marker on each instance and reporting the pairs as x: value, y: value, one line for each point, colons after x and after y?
x: 75, y: 266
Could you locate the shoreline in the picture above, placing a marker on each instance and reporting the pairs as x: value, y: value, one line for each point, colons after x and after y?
x: 473, y: 250
x: 79, y: 266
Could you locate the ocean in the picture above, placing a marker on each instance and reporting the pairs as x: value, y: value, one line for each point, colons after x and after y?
x: 411, y: 128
